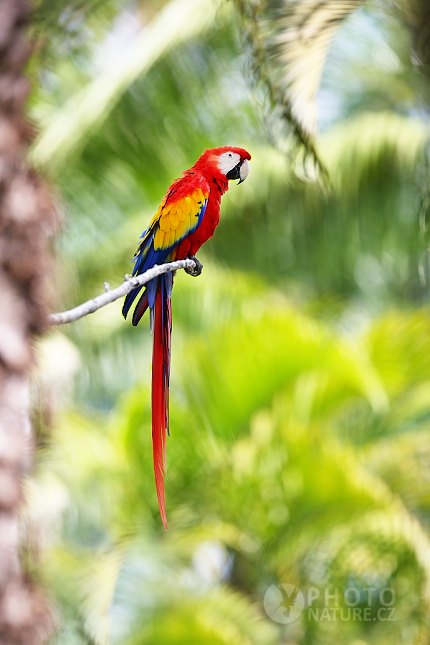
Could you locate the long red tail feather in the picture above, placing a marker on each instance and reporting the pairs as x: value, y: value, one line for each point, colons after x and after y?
x: 160, y: 388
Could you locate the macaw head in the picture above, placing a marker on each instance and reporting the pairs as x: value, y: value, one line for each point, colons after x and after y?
x: 229, y: 162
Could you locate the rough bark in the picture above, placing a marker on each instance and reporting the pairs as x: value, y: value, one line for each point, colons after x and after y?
x: 26, y: 221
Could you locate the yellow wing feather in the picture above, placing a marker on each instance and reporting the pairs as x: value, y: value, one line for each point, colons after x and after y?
x: 176, y: 219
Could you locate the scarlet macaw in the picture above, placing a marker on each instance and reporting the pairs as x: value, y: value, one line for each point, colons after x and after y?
x: 186, y: 219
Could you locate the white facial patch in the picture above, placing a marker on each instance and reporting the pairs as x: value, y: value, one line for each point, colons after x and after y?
x: 227, y: 161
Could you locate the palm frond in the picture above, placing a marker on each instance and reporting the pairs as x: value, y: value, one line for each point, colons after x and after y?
x: 289, y: 42
x: 98, y: 588
x: 416, y: 14
x: 67, y: 130
x: 352, y: 149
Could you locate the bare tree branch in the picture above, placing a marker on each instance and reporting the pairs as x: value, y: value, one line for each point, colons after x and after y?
x: 110, y: 296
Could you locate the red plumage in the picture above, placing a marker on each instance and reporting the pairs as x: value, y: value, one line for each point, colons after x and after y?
x: 160, y: 393
x: 186, y: 219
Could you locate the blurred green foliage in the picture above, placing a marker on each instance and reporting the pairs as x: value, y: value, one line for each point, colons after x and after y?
x: 300, y: 391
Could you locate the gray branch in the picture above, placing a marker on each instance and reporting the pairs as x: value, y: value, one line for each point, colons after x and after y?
x: 110, y: 296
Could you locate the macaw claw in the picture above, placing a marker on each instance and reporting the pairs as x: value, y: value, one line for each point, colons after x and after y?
x: 197, y: 270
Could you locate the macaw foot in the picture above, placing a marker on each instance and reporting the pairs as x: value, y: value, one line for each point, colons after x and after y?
x: 196, y: 271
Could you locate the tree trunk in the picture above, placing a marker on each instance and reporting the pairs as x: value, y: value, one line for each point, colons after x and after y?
x: 26, y: 221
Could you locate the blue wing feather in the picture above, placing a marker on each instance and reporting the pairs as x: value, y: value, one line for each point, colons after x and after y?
x: 144, y: 260
x: 147, y: 257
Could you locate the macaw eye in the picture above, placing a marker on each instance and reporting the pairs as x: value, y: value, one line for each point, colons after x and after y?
x: 230, y: 154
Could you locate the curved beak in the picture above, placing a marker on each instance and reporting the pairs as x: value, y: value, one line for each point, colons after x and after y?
x: 244, y: 170
x: 240, y: 171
